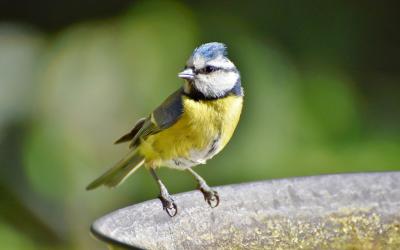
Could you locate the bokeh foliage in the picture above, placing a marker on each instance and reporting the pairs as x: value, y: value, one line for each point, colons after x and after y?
x: 314, y: 104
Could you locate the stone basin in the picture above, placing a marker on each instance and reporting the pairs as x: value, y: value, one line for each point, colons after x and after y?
x: 342, y: 211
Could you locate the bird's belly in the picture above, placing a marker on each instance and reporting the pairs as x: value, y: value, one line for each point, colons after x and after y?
x: 203, y: 130
x: 195, y: 156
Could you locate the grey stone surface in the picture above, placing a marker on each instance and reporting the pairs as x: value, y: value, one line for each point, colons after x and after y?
x: 344, y: 211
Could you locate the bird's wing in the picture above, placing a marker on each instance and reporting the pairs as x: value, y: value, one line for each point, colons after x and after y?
x: 169, y: 111
x: 161, y: 118
x: 129, y: 136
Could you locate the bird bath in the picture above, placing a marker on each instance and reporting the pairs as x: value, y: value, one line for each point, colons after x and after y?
x: 344, y: 211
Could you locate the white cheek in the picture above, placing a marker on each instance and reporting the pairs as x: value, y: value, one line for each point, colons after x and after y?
x: 216, y: 83
x: 225, y: 80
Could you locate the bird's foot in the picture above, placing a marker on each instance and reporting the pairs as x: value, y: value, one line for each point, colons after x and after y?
x: 210, y: 196
x: 168, y: 203
x: 166, y: 199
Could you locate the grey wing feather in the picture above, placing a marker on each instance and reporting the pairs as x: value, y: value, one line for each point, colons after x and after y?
x: 129, y: 136
x: 163, y: 117
x: 170, y: 110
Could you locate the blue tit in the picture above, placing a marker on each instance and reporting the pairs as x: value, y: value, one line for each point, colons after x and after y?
x: 190, y: 127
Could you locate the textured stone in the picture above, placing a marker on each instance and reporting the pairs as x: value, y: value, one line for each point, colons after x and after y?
x: 346, y: 211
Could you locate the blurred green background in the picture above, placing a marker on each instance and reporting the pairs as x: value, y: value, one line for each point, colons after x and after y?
x: 322, y: 84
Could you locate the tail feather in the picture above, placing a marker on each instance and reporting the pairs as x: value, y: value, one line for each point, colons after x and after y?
x: 119, y: 172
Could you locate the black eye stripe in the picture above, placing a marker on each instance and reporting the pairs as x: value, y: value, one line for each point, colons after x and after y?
x: 207, y: 69
x: 202, y: 70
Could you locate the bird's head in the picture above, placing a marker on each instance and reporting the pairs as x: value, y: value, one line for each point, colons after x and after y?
x: 209, y: 72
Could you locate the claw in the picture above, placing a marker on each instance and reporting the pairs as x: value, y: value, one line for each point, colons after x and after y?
x: 166, y: 199
x: 169, y: 205
x: 172, y: 211
x: 211, y: 197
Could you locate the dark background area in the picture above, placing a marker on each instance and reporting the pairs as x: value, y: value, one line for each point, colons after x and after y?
x: 362, y: 38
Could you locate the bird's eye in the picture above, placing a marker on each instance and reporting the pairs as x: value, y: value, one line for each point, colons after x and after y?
x: 209, y: 69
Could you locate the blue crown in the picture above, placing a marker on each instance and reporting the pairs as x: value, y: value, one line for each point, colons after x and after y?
x: 211, y: 50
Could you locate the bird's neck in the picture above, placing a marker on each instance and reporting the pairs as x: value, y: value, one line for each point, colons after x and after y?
x: 193, y: 93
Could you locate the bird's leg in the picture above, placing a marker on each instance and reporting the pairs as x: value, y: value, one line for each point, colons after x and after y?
x: 166, y: 199
x: 210, y: 195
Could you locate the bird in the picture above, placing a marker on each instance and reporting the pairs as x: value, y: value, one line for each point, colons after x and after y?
x: 190, y: 127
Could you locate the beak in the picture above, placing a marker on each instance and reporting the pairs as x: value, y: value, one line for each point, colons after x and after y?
x: 187, y: 74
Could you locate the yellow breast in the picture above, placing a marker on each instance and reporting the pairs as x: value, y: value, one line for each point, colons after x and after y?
x: 202, y: 121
